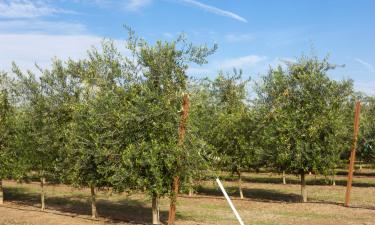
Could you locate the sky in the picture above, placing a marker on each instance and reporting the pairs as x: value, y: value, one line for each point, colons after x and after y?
x: 252, y: 35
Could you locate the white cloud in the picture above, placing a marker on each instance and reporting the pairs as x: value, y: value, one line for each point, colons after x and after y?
x: 199, y: 71
x: 370, y: 67
x: 41, y: 26
x: 28, y: 49
x: 27, y: 9
x: 168, y: 35
x: 281, y: 61
x: 135, y: 5
x: 214, y: 10
x: 239, y: 37
x: 129, y: 5
x: 366, y: 87
x: 242, y: 62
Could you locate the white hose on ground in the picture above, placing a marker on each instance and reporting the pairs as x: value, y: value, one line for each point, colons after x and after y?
x: 229, y: 202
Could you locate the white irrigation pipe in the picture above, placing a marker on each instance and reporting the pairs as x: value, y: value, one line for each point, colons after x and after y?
x: 229, y: 201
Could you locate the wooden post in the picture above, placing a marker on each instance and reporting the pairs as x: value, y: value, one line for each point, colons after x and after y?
x: 352, y: 153
x: 176, y: 179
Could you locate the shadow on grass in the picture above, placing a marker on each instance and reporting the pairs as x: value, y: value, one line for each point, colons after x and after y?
x: 343, y: 205
x: 310, y: 181
x: 129, y: 210
x: 357, y: 173
x: 262, y: 195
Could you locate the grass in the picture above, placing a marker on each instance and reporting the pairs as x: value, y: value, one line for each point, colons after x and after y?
x: 267, y: 201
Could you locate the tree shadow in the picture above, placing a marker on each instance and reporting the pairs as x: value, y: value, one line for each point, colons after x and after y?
x: 264, y: 195
x: 126, y: 210
x: 357, y: 173
x: 257, y: 194
x: 311, y: 181
x: 343, y: 205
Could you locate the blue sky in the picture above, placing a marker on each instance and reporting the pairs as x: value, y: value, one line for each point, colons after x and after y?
x: 251, y: 34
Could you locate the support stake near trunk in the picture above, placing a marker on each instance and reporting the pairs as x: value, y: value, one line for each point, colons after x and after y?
x: 155, y: 209
x: 240, y: 184
x: 176, y: 179
x: 352, y: 153
x: 303, y: 188
x: 1, y: 192
x: 42, y: 193
x: 191, y: 190
x: 94, y: 212
x: 333, y: 177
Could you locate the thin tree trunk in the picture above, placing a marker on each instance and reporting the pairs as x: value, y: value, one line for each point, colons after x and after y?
x: 94, y: 213
x: 303, y: 188
x: 333, y: 178
x: 42, y: 193
x: 315, y: 179
x: 155, y: 209
x: 1, y: 192
x: 191, y: 186
x: 176, y: 179
x: 240, y: 184
x: 360, y: 166
x: 172, y: 207
x: 284, y: 178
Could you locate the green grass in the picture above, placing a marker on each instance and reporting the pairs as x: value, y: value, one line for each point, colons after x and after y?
x: 267, y: 201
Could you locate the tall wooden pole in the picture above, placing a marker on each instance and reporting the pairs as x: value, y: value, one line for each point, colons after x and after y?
x: 176, y: 179
x: 352, y: 153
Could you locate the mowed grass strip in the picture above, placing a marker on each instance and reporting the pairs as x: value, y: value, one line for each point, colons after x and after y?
x: 267, y: 201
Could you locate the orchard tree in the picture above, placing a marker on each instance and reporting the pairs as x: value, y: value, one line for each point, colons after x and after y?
x: 6, y: 130
x: 155, y: 158
x: 234, y: 135
x: 366, y: 145
x: 202, y: 120
x: 304, y: 115
x: 95, y: 131
x: 41, y: 121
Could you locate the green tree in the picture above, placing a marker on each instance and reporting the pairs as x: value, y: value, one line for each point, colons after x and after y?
x: 99, y: 115
x: 41, y: 122
x: 154, y: 157
x: 6, y: 130
x: 304, y: 117
x: 234, y: 135
x: 366, y: 142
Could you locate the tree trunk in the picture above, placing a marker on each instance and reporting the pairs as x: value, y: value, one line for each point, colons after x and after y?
x: 191, y: 186
x: 172, y: 207
x: 303, y: 188
x: 155, y: 209
x: 94, y: 213
x: 333, y: 178
x: 284, y: 178
x: 240, y: 184
x: 360, y: 166
x: 1, y: 192
x: 42, y: 193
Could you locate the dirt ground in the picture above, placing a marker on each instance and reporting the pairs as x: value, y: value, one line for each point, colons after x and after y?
x: 267, y: 202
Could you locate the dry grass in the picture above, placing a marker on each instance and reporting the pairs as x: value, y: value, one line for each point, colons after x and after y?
x: 267, y: 202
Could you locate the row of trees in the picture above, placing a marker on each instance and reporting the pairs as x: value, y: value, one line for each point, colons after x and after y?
x: 113, y: 121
